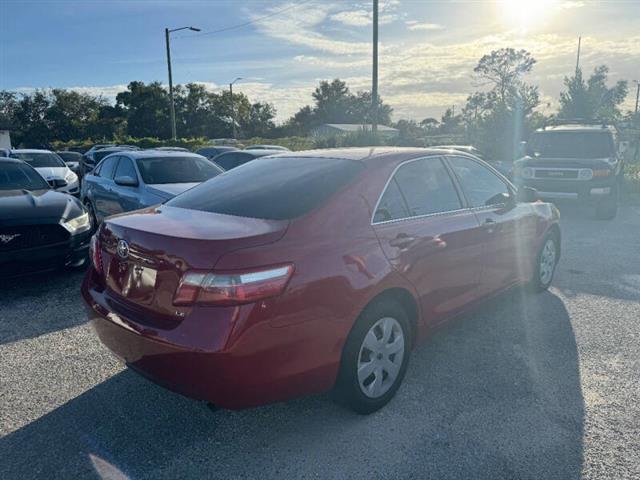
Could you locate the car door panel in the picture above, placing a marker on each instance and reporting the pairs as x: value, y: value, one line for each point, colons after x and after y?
x: 432, y: 240
x: 508, y: 228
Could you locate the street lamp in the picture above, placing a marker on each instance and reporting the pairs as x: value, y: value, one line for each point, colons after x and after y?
x: 172, y: 106
x: 637, y: 82
x: 233, y: 113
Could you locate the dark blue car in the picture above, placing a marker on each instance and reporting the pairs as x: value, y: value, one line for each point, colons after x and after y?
x: 130, y: 180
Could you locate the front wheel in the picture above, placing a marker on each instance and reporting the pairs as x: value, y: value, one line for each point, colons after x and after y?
x: 375, y: 358
x: 546, y: 262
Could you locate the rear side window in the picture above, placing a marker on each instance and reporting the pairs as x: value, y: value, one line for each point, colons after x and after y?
x: 233, y: 160
x: 108, y: 166
x: 273, y: 188
x: 426, y: 188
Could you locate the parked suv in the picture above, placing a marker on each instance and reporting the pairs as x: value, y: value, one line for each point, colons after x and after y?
x: 575, y: 160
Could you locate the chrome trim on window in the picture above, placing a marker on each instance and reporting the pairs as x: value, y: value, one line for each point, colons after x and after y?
x: 386, y: 185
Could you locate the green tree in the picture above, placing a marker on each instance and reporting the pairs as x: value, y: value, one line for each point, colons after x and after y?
x: 592, y: 99
x: 147, y: 109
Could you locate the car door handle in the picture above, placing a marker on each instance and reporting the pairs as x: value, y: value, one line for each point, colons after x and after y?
x: 490, y: 225
x: 402, y: 241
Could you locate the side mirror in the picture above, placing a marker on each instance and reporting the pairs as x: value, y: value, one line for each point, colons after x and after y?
x: 57, y: 183
x: 126, y: 181
x: 527, y: 195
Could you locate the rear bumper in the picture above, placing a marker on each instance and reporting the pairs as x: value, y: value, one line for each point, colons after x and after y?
x: 229, y: 356
x: 49, y: 257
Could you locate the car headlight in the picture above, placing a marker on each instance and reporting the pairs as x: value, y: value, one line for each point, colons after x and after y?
x: 585, y: 174
x: 525, y: 172
x: 70, y: 177
x: 78, y: 225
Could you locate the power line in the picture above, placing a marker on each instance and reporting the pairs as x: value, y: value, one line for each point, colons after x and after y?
x: 244, y: 24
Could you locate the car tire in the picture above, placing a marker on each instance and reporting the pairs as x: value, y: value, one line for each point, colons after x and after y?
x: 546, y: 261
x: 607, y: 209
x: 379, y: 345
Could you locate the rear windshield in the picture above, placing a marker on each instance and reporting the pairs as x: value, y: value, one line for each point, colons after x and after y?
x: 14, y: 176
x: 273, y: 188
x: 40, y: 159
x: 571, y: 144
x: 157, y: 170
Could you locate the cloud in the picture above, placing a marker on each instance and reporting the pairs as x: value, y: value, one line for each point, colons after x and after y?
x: 572, y: 4
x: 415, y: 25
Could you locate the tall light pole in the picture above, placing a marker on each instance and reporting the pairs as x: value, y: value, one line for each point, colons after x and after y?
x: 233, y: 111
x: 172, y: 105
x: 374, y: 86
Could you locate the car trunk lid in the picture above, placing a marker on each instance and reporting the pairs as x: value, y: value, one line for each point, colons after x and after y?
x: 146, y: 253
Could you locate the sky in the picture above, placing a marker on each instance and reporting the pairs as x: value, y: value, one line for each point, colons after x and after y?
x: 427, y: 48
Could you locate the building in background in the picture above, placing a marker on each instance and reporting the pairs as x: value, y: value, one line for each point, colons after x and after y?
x: 334, y: 129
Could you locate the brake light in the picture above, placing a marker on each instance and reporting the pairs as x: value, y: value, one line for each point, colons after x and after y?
x: 95, y: 253
x: 232, y: 288
x: 601, y: 173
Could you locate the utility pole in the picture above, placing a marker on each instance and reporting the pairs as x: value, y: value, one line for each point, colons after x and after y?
x: 172, y: 107
x: 578, y: 56
x: 374, y: 86
x: 233, y: 109
x: 637, y: 94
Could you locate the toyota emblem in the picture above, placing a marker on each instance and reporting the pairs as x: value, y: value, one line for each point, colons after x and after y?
x: 122, y: 249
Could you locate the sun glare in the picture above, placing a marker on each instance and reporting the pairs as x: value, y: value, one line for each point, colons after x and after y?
x: 525, y: 14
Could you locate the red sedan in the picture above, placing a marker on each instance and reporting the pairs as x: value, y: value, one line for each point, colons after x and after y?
x: 304, y: 272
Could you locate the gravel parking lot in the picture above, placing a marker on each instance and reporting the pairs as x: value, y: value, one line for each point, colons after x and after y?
x: 529, y: 387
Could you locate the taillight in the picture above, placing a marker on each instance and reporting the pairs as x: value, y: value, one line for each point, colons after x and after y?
x: 232, y: 288
x: 95, y: 253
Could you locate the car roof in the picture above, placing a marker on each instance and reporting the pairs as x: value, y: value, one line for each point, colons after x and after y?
x: 30, y: 150
x: 159, y: 153
x: 575, y: 127
x: 12, y: 160
x: 368, y: 154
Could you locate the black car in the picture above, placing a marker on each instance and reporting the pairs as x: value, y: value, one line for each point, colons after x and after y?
x: 233, y: 159
x: 40, y: 229
x: 93, y: 156
x: 212, y: 151
x: 72, y: 159
x: 574, y: 160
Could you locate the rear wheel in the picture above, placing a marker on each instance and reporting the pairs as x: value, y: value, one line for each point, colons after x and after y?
x: 546, y: 262
x: 607, y: 209
x: 375, y: 358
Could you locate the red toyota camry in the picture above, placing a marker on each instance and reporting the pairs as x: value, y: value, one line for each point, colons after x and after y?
x: 303, y: 272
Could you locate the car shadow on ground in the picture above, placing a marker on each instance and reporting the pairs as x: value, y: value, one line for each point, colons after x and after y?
x: 34, y: 305
x: 495, y: 394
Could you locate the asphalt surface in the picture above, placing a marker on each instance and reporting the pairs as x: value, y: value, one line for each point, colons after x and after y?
x: 528, y: 387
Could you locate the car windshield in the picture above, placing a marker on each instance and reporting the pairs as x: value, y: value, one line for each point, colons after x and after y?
x: 571, y: 144
x: 100, y: 154
x: 156, y: 170
x: 39, y: 159
x: 273, y: 188
x: 14, y: 176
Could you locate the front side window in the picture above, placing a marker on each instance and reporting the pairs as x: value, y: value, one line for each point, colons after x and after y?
x: 126, y: 169
x: 14, y: 176
x: 162, y: 170
x: 481, y: 186
x: 107, y: 167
